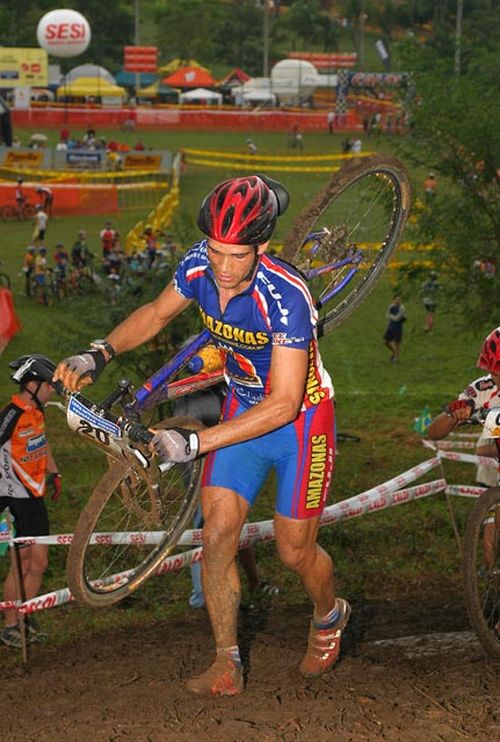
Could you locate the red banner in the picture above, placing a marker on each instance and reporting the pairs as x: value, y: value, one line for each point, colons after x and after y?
x: 141, y: 58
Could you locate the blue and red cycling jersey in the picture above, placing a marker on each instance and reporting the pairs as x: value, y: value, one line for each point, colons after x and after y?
x: 276, y: 309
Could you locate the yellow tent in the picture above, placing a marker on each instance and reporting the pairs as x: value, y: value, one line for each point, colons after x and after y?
x: 95, y: 86
x: 174, y: 64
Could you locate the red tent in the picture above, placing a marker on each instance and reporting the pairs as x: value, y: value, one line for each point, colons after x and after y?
x: 189, y: 77
x: 236, y: 77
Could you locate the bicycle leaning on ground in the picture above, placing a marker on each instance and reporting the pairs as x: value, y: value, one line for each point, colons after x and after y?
x: 138, y: 510
x: 24, y: 211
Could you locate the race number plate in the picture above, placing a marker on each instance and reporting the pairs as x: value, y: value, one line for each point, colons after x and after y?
x: 492, y: 424
x: 93, y: 427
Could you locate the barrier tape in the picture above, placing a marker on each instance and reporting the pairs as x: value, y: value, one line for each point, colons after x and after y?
x: 269, y: 158
x: 468, y: 458
x: 193, y: 537
x: 464, y: 490
x: 251, y: 533
x: 376, y: 498
x: 284, y: 168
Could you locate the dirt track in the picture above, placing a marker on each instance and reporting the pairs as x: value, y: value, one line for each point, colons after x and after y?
x: 130, y: 686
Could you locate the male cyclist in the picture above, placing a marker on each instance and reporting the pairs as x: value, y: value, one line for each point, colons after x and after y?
x: 483, y: 392
x: 278, y: 412
x: 27, y: 468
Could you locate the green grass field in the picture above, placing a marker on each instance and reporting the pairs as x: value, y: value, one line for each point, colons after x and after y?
x: 410, y: 548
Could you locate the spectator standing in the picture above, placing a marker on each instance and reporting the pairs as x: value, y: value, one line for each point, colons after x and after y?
x: 330, y: 120
x: 251, y: 147
x: 296, y: 137
x: 107, y: 236
x: 356, y: 146
x: 393, y: 336
x: 41, y: 268
x: 430, y: 187
x: 46, y: 196
x: 429, y: 293
x: 28, y: 469
x: 41, y: 220
x: 151, y: 246
x: 20, y: 196
x: 29, y: 268
x: 80, y: 253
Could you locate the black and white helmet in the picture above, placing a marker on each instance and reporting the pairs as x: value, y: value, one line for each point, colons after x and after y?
x: 33, y: 367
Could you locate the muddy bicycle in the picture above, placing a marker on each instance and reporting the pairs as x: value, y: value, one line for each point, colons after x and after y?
x: 138, y: 510
x: 481, y: 555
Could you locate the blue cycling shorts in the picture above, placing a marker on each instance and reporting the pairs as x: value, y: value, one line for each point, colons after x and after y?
x: 302, y: 454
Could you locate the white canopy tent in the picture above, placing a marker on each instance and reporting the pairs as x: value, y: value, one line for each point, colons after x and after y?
x: 258, y: 96
x: 90, y: 70
x: 200, y: 94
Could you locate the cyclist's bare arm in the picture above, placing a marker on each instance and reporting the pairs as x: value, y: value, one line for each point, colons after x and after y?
x: 138, y: 328
x: 148, y: 320
x: 288, y: 379
x: 444, y: 423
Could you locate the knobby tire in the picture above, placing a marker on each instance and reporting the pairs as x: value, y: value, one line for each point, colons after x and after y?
x: 349, y: 176
x: 118, y: 476
x: 482, y: 584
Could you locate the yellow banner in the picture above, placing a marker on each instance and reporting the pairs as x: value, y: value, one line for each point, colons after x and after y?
x: 23, y: 159
x: 141, y: 161
x: 23, y: 67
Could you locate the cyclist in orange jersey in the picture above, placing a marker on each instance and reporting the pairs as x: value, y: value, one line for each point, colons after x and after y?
x: 27, y: 469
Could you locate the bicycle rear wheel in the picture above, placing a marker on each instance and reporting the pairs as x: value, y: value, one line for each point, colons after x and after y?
x: 481, y: 565
x: 130, y: 500
x: 364, y: 206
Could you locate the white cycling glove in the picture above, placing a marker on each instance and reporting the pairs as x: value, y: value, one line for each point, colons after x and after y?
x: 176, y: 445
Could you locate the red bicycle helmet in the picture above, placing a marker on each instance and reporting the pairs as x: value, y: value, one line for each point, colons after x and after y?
x: 489, y: 357
x: 243, y: 211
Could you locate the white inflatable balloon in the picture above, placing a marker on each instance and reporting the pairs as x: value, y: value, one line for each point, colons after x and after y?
x: 63, y: 33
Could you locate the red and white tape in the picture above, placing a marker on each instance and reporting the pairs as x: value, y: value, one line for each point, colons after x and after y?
x: 464, y: 490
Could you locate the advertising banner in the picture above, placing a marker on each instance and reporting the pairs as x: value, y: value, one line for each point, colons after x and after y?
x: 21, y: 67
x: 141, y: 161
x: 31, y: 158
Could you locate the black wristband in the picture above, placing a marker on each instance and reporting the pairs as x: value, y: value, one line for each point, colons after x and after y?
x: 104, y: 345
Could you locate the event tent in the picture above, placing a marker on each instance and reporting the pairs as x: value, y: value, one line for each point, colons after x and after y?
x: 236, y: 77
x: 174, y: 64
x: 127, y: 79
x: 159, y: 90
x: 189, y: 77
x: 89, y: 70
x: 201, y: 94
x: 86, y: 86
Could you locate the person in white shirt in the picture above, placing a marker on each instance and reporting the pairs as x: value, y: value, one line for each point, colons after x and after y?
x: 41, y: 221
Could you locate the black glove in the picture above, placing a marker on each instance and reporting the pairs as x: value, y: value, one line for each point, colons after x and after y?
x: 89, y: 363
x: 176, y: 445
x: 54, y: 481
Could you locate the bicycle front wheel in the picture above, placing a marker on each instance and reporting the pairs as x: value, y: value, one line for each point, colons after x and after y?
x: 127, y: 502
x: 361, y: 211
x: 481, y: 564
x: 8, y: 213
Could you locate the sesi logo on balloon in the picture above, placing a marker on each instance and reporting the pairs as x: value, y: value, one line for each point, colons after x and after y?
x: 63, y: 33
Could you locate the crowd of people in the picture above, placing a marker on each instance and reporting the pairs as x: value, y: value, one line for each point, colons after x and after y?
x: 66, y: 270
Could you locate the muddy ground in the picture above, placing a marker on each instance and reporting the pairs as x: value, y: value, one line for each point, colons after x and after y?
x: 407, y: 672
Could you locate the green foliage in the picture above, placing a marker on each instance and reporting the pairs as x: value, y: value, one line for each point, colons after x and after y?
x: 455, y: 124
